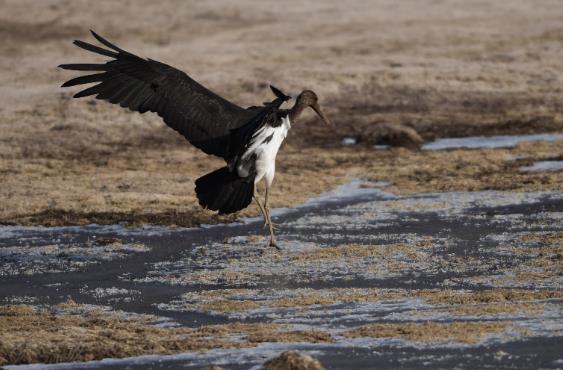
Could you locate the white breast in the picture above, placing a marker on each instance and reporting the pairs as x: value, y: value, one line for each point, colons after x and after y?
x: 265, y: 146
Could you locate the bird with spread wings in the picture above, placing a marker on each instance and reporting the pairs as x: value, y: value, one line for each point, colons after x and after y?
x: 248, y: 139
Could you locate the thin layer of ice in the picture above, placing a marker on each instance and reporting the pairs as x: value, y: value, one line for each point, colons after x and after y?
x: 489, y: 142
x: 543, y: 166
x: 349, y: 141
x: 354, y: 189
x: 146, y: 230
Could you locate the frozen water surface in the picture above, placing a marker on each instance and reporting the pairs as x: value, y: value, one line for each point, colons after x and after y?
x: 490, y: 142
x: 543, y: 166
x: 352, y: 257
x: 349, y: 141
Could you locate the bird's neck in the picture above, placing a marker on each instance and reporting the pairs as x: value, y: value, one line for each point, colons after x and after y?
x: 296, y: 111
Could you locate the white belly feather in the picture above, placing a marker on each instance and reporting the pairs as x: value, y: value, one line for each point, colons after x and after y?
x: 266, y: 150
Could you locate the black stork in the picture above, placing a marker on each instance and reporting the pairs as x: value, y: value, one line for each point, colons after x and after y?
x: 247, y: 139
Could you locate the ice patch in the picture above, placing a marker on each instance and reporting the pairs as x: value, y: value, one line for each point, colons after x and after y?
x: 357, y: 188
x: 543, y: 166
x: 147, y: 230
x: 488, y: 142
x: 349, y: 141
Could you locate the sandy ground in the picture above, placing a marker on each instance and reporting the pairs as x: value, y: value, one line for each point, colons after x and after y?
x: 445, y: 68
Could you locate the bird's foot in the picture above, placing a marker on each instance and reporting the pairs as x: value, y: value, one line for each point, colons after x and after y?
x: 274, y: 244
x: 274, y: 226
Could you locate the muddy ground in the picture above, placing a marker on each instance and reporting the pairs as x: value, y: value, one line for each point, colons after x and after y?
x: 434, y: 258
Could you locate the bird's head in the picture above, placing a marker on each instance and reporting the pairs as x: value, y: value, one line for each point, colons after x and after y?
x: 308, y: 98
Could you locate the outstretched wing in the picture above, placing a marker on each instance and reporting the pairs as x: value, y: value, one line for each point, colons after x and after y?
x: 201, y: 116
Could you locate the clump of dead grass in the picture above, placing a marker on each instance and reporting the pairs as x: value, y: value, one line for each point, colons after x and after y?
x: 29, y: 335
x: 494, y: 309
x: 456, y: 297
x: 430, y: 332
x: 308, y: 336
x: 360, y: 251
x: 459, y: 302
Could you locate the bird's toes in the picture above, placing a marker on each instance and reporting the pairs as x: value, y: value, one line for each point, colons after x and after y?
x: 274, y: 225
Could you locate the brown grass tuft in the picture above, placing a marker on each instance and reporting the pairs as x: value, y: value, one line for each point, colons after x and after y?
x: 466, y: 332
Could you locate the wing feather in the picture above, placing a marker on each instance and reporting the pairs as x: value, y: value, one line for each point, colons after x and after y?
x: 143, y: 85
x: 84, y: 67
x: 87, y: 92
x: 84, y: 80
x: 95, y: 49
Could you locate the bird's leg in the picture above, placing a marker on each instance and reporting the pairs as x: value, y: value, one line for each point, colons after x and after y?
x: 266, y: 221
x: 266, y: 212
x: 269, y: 221
x: 256, y: 198
x: 269, y: 210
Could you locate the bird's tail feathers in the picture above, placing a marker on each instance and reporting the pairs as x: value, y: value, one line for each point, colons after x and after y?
x: 224, y: 191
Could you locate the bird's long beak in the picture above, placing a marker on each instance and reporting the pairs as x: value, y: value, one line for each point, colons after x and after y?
x: 317, y: 109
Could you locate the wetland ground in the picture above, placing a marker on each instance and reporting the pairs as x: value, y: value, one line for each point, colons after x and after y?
x: 410, y: 258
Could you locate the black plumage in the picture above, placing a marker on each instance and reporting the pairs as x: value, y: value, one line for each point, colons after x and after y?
x: 247, y: 139
x: 224, y: 191
x: 142, y: 85
x: 208, y: 121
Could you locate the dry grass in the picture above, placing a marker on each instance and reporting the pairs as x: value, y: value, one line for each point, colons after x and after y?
x: 222, y: 305
x: 494, y: 309
x: 308, y: 336
x: 444, y: 69
x: 38, y: 336
x: 29, y: 335
x: 79, y: 193
x: 345, y: 252
x: 492, y: 301
x: 452, y: 297
x: 77, y: 333
x: 432, y: 332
